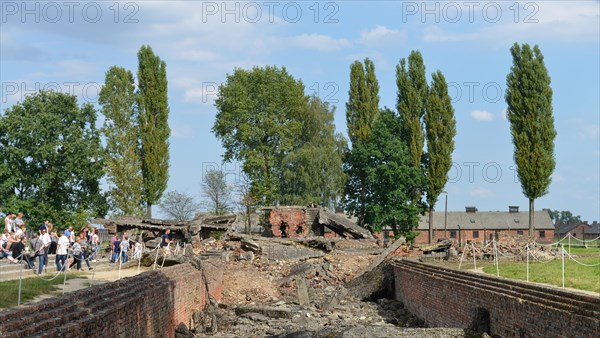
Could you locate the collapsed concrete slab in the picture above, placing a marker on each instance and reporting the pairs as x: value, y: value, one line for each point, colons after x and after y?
x: 342, y: 226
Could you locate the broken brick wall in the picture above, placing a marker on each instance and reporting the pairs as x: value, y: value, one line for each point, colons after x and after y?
x: 288, y: 222
x: 451, y: 298
x: 150, y: 304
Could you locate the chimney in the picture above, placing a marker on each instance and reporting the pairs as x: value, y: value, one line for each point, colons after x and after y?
x: 513, y: 208
x: 471, y: 209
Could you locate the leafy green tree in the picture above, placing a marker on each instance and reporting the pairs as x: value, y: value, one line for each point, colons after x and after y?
x: 411, y: 82
x: 362, y: 110
x: 154, y: 128
x: 179, y: 206
x: 529, y: 111
x: 390, y: 178
x: 217, y: 191
x: 363, y: 102
x: 51, y: 157
x: 440, y: 127
x: 123, y: 164
x: 312, y: 172
x: 259, y: 117
x: 563, y: 217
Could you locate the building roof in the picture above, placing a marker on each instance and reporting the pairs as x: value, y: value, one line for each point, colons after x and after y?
x: 488, y: 220
x: 566, y: 227
x: 594, y: 229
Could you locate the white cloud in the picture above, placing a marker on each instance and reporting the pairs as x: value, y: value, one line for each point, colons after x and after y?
x: 481, y: 192
x: 589, y: 131
x: 199, y: 55
x: 204, y: 95
x: 318, y: 42
x: 558, y: 178
x: 542, y: 20
x: 182, y: 131
x: 381, y: 36
x: 482, y: 115
x: 378, y: 59
x: 503, y: 114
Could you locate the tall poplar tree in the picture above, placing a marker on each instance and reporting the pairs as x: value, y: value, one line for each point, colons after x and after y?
x: 411, y: 82
x: 362, y: 110
x: 123, y: 165
x: 529, y: 111
x: 363, y: 102
x: 440, y: 128
x: 153, y: 123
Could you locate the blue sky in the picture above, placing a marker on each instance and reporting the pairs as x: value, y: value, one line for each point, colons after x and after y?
x: 68, y: 46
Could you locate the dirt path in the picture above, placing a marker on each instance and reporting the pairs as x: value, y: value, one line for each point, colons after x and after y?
x: 99, y: 277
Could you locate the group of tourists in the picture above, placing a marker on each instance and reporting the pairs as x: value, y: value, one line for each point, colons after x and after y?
x: 21, y: 246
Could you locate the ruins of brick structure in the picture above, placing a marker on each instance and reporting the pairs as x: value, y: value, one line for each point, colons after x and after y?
x: 498, y: 306
x: 300, y: 222
x: 290, y: 222
x: 151, y: 304
x: 180, y: 230
x: 256, y: 286
x: 299, y: 281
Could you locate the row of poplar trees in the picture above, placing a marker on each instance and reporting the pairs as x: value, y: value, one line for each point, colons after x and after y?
x: 388, y: 169
x: 398, y: 161
x: 52, y: 158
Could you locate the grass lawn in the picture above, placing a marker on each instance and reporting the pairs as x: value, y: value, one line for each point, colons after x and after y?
x: 580, y: 250
x: 31, y: 288
x: 576, y: 276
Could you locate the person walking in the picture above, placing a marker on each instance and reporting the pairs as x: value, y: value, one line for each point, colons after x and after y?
x: 62, y: 249
x: 165, y: 241
x: 124, y: 248
x: 95, y: 239
x: 85, y: 249
x: 116, y: 250
x: 47, y: 241
x: 53, y: 242
x: 77, y: 254
x: 37, y: 246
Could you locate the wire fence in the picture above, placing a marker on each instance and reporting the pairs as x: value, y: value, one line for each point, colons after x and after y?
x: 532, y: 258
x: 25, y: 259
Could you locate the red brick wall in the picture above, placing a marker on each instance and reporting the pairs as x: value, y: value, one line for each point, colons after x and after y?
x: 294, y: 220
x: 150, y: 304
x: 580, y: 230
x: 450, y: 298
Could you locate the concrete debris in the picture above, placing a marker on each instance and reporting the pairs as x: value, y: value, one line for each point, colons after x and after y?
x: 250, y: 245
x: 269, y: 311
x: 303, y: 298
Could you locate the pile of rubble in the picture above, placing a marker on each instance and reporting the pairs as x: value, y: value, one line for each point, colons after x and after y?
x: 511, y: 247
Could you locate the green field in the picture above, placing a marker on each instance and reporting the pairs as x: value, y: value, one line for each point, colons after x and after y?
x: 580, y: 250
x: 31, y: 288
x: 576, y: 276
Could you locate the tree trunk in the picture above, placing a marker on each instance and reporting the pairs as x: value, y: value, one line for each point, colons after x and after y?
x: 148, y: 210
x: 430, y: 224
x: 248, y: 219
x: 531, y: 226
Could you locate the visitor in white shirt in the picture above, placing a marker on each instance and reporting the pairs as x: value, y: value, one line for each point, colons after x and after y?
x: 62, y: 249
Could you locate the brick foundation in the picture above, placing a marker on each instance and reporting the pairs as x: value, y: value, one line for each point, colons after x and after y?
x: 150, y: 304
x: 502, y: 307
